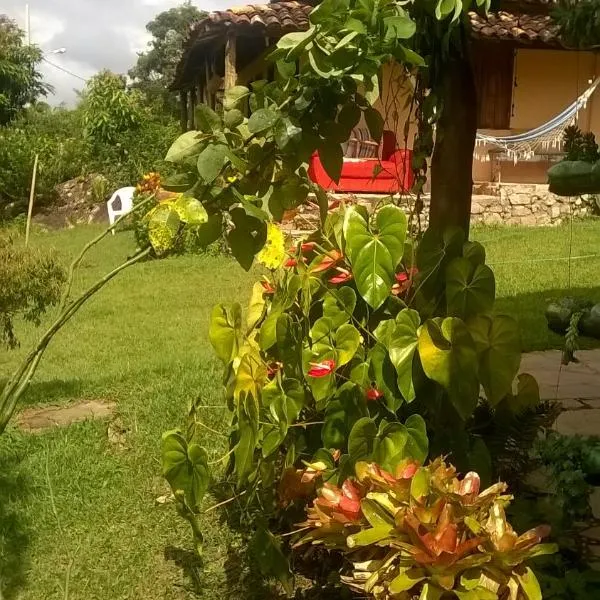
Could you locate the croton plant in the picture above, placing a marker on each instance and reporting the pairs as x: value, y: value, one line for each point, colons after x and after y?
x: 360, y: 347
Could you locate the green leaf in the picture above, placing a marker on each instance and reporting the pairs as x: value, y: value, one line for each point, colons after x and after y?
x: 347, y: 341
x: 375, y: 123
x: 234, y: 96
x: 244, y: 449
x: 211, y: 161
x: 244, y: 242
x: 207, y: 119
x: 469, y: 290
x: 271, y: 560
x: 406, y: 580
x: 366, y: 537
x: 374, y: 255
x: 448, y: 356
x: 339, y: 305
x: 527, y: 394
x: 376, y: 514
x: 361, y: 441
x: 528, y: 582
x: 420, y: 483
x: 233, y: 118
x: 294, y: 43
x: 191, y: 211
x: 444, y: 8
x: 250, y: 377
x: 184, y: 146
x: 349, y: 117
x: 256, y: 308
x: 345, y: 40
x: 226, y: 331
x: 498, y: 345
x: 211, y: 231
x: 412, y: 58
x: 385, y: 376
x: 163, y: 228
x: 390, y: 445
x: 430, y: 592
x: 355, y: 25
x: 402, y: 345
x: 262, y: 119
x: 185, y: 467
x: 181, y: 182
x: 400, y: 26
x: 332, y: 158
x: 417, y: 445
x: 341, y: 414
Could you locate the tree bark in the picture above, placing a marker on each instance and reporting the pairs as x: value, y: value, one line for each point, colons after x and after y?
x: 452, y: 160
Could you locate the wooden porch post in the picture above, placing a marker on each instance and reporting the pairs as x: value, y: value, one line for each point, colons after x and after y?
x: 192, y: 108
x: 230, y: 62
x: 183, y: 110
x: 208, y: 75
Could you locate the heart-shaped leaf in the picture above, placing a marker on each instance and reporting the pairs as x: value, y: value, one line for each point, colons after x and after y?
x: 208, y: 120
x: 191, y: 211
x: 498, y: 345
x: 185, y: 467
x: 187, y: 144
x: 347, y: 341
x: 448, y: 356
x: 211, y: 161
x: 226, y: 330
x: 470, y: 290
x: 163, y: 228
x: 361, y: 441
x: 341, y: 414
x: 339, y: 305
x: 375, y: 254
x: 402, y: 345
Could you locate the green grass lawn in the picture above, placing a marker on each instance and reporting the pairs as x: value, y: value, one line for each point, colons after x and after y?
x: 78, y: 516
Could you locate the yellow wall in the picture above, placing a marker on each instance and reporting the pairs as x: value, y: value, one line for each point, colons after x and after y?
x: 547, y: 82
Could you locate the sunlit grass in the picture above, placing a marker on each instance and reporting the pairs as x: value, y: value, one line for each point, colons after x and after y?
x: 78, y: 512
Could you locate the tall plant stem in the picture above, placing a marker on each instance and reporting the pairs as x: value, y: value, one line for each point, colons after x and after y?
x: 17, y: 384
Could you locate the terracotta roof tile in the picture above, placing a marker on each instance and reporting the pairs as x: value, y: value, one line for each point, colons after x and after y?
x: 527, y: 29
x: 278, y: 18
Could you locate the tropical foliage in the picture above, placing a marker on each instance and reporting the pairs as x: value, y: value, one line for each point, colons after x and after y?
x: 30, y: 283
x: 20, y: 80
x: 423, y: 532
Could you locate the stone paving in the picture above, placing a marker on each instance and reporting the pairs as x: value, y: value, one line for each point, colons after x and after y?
x: 576, y: 386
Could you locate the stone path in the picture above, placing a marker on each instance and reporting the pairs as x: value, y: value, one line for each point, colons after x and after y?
x: 576, y: 386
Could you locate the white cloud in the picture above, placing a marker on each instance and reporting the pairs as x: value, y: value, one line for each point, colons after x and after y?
x: 97, y: 34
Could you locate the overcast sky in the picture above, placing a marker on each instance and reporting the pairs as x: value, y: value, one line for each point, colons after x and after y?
x: 97, y: 34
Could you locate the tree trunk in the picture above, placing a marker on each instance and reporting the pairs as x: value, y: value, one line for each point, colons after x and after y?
x: 452, y: 160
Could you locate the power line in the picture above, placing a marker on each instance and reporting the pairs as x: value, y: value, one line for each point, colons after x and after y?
x: 64, y: 70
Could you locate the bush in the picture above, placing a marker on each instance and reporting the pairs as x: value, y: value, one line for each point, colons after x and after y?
x: 30, y: 282
x: 63, y: 154
x: 362, y: 348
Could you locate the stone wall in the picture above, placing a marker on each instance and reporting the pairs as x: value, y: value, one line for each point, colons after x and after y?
x: 493, y: 204
x: 524, y: 204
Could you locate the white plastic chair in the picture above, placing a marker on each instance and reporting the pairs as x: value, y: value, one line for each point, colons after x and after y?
x: 125, y: 196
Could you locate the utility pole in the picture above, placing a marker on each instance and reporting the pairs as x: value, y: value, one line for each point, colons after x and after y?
x: 28, y: 23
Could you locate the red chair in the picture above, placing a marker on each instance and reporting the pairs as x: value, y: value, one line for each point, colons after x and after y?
x: 393, y: 175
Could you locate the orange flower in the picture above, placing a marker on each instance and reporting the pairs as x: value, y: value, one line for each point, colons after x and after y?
x: 267, y: 286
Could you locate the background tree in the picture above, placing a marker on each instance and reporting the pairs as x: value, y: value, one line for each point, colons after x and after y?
x: 109, y: 109
x: 155, y: 68
x: 20, y: 81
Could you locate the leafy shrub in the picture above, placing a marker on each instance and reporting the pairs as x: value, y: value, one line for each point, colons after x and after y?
x: 422, y: 532
x: 360, y: 348
x: 30, y: 282
x: 56, y: 136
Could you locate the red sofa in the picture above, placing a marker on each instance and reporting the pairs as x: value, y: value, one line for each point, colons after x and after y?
x: 358, y: 174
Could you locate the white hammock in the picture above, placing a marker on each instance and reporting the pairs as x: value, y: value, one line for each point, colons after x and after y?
x: 523, y: 146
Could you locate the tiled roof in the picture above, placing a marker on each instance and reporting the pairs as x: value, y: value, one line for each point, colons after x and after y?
x: 523, y: 29
x: 278, y: 18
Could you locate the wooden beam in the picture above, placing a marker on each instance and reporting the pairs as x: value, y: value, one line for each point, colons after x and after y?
x: 183, y: 110
x: 192, y: 109
x: 230, y: 61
